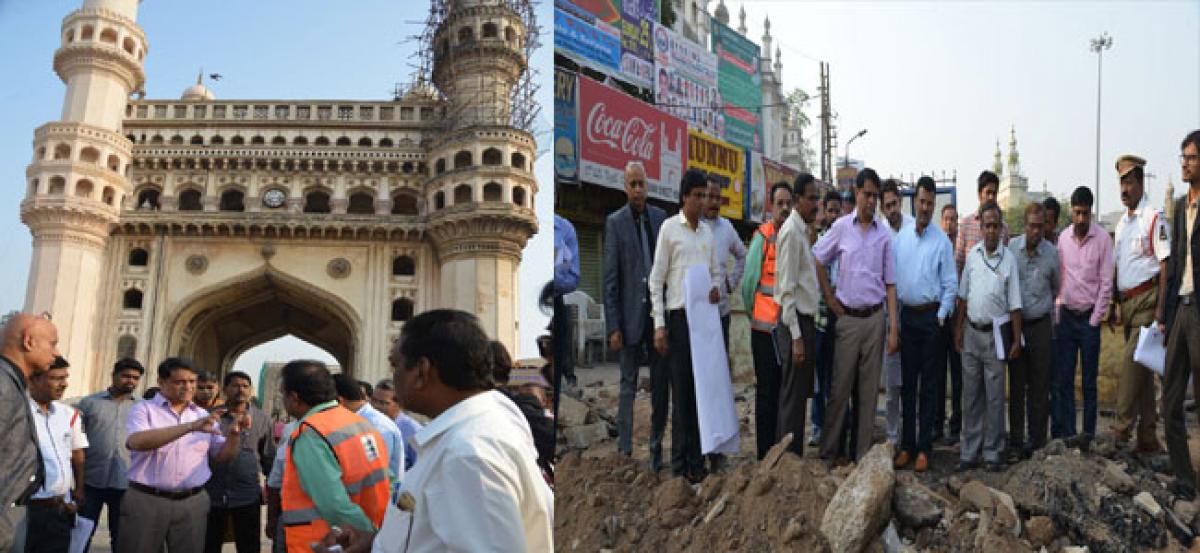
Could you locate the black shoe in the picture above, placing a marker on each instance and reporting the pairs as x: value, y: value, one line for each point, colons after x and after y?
x: 951, y: 439
x: 655, y: 462
x: 1026, y: 452
x: 964, y: 466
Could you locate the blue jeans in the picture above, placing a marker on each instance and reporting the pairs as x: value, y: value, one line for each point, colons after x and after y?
x: 1074, y: 339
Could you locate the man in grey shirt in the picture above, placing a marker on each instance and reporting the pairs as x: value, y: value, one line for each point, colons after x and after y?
x: 1029, y: 374
x: 106, y: 460
x: 234, y: 488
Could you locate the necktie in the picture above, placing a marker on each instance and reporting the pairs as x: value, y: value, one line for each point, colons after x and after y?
x: 643, y: 232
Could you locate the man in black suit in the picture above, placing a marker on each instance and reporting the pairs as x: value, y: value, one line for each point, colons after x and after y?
x: 629, y: 239
x: 1181, y: 317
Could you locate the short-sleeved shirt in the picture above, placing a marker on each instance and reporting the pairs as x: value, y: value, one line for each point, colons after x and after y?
x: 1039, y: 276
x: 866, y: 264
x: 1142, y: 242
x: 728, y: 244
x: 392, y: 438
x: 990, y: 284
x: 59, y: 433
x: 106, y: 464
x: 179, y: 465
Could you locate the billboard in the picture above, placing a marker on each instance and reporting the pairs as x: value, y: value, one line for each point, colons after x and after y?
x: 774, y: 172
x: 725, y: 163
x: 685, y: 82
x: 604, y: 11
x: 594, y: 44
x: 637, y: 44
x: 740, y: 86
x: 566, y: 128
x: 618, y: 129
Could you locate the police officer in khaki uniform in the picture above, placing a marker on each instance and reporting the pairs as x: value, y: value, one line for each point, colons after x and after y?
x: 1142, y: 245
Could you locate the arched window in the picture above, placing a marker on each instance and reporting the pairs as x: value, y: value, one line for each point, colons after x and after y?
x: 462, y: 159
x: 258, y: 140
x: 83, y: 188
x: 321, y: 141
x: 361, y: 203
x: 493, y: 192
x: 466, y: 35
x: 126, y: 347
x: 343, y: 141
x: 108, y: 35
x: 217, y: 140
x: 316, y: 202
x: 33, y: 187
x: 300, y: 141
x: 407, y: 167
x: 386, y: 143
x: 62, y: 151
x: 237, y: 141
x: 86, y: 33
x: 402, y: 310
x: 439, y: 200
x: 519, y: 196
x: 156, y: 139
x: 518, y: 160
x: 132, y: 299
x: 114, y: 163
x: 510, y: 35
x: 439, y: 167
x: 58, y: 186
x: 70, y: 35
x: 492, y: 156
x: 89, y: 154
x: 279, y: 141
x: 462, y: 194
x: 233, y: 200
x: 176, y: 139
x: 364, y: 141
x: 139, y: 257
x: 108, y: 196
x: 404, y: 204
x: 490, y: 30
x: 197, y: 140
x: 403, y: 265
x: 189, y: 200
x: 128, y: 45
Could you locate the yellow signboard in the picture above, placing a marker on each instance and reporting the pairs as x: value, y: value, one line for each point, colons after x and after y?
x: 725, y: 163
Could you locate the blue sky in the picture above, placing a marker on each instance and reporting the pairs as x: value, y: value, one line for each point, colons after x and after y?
x: 271, y: 49
x: 936, y: 83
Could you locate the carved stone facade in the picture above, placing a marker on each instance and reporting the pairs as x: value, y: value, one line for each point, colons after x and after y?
x: 204, y: 227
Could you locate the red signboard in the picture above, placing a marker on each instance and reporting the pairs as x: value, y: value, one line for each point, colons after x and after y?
x: 615, y: 129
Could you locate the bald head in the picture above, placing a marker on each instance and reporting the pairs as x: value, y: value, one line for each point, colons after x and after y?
x: 30, y: 341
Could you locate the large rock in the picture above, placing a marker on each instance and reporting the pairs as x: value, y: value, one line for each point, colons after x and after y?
x: 862, y: 505
x: 977, y: 496
x: 914, y: 507
x: 676, y: 493
x: 1117, y: 479
x: 1040, y: 531
x: 582, y: 437
x: 572, y: 412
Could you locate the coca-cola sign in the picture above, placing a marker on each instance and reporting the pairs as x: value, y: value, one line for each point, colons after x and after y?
x: 617, y: 129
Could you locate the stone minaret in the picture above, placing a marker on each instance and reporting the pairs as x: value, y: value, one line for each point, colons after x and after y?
x: 482, y: 187
x: 77, y: 181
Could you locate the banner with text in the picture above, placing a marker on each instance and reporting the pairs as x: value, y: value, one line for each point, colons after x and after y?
x: 604, y: 11
x: 740, y: 86
x: 686, y: 81
x: 773, y: 172
x: 724, y: 163
x: 618, y: 129
x: 637, y: 44
x: 566, y: 128
x: 592, y: 43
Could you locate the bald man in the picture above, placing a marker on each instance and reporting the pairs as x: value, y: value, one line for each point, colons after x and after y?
x: 30, y: 344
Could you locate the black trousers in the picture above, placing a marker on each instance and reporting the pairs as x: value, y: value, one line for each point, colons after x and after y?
x: 947, y: 355
x: 95, y: 501
x: 920, y: 337
x: 796, y: 385
x: 685, y: 425
x: 564, y: 361
x: 48, y: 529
x: 247, y: 526
x: 767, y: 375
x: 1029, y: 386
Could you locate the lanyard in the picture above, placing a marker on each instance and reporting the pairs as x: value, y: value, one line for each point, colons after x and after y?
x: 995, y: 268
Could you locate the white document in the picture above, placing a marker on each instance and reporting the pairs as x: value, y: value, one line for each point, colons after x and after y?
x: 710, y: 366
x: 80, y: 533
x: 1151, y: 352
x: 998, y: 335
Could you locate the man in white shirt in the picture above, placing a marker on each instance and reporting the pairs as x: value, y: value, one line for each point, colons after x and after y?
x: 478, y: 486
x: 727, y: 243
x: 890, y: 209
x: 683, y: 241
x: 1141, y: 250
x: 51, y: 514
x: 798, y: 293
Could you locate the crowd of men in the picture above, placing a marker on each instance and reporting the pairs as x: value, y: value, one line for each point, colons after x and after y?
x: 843, y: 300
x: 184, y: 468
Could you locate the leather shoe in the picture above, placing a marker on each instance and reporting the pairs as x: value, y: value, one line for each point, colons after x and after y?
x: 902, y: 460
x: 922, y: 463
x: 995, y: 467
x: 964, y: 466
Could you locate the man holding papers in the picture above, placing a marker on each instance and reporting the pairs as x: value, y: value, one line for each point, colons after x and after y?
x: 1142, y: 247
x: 989, y: 291
x: 1029, y: 374
x: 684, y: 241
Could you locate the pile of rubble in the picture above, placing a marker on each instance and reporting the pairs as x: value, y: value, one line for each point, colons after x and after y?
x: 1079, y: 497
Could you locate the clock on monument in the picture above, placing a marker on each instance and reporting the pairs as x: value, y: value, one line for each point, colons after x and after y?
x: 274, y: 198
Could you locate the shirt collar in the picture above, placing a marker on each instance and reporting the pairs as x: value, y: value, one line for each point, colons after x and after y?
x: 853, y: 219
x: 38, y: 408
x: 1137, y: 211
x: 983, y: 249
x: 319, y: 407
x: 456, y: 414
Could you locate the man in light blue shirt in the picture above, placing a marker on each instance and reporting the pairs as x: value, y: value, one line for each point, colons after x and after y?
x: 351, y: 395
x: 926, y: 284
x: 566, y: 280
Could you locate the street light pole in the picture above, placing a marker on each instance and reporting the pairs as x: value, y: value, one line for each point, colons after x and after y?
x: 846, y: 163
x: 1099, y: 45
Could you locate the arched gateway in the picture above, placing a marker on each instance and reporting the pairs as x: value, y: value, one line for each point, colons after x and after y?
x: 204, y: 227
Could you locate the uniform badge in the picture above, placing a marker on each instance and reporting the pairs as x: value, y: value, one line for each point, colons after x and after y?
x: 1162, y: 232
x: 369, y: 446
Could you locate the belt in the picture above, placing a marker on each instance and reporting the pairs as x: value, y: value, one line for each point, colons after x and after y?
x: 1187, y: 300
x: 1139, y: 289
x: 924, y: 307
x: 1082, y: 314
x: 56, y: 501
x: 169, y: 494
x: 982, y: 328
x: 863, y: 312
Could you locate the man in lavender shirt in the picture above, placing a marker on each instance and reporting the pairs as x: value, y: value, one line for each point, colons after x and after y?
x: 170, y: 443
x: 862, y: 246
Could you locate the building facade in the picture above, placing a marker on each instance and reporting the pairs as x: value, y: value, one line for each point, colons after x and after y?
x: 203, y: 227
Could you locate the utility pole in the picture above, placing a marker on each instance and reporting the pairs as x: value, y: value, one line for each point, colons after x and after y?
x: 826, y: 127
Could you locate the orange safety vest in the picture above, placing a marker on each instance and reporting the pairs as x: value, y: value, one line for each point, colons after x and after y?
x: 765, y: 313
x: 363, y: 457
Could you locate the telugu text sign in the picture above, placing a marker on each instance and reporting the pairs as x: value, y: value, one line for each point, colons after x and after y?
x: 686, y: 81
x: 740, y: 86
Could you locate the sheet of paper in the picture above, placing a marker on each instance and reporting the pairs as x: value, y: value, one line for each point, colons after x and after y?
x: 998, y: 335
x: 710, y: 366
x: 80, y: 534
x: 1151, y: 352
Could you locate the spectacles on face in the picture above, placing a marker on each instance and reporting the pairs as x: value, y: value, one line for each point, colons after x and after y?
x: 1188, y: 158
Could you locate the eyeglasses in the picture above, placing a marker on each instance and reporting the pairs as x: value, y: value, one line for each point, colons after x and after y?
x: 1185, y: 158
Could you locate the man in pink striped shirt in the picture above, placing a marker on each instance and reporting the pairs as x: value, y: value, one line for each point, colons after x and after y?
x: 1086, y: 256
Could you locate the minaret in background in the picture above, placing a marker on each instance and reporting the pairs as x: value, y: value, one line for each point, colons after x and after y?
x: 78, y: 178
